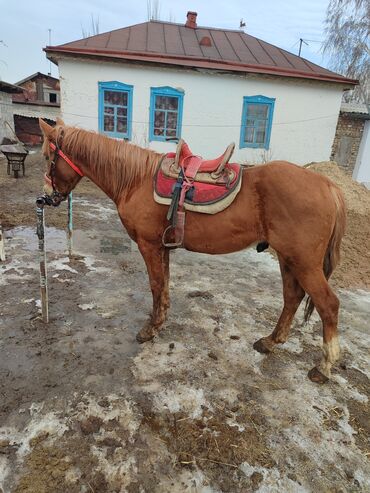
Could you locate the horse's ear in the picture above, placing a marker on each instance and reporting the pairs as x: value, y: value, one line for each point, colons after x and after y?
x: 59, y: 121
x: 46, y: 129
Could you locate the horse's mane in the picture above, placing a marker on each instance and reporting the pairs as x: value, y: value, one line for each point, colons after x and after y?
x: 116, y: 164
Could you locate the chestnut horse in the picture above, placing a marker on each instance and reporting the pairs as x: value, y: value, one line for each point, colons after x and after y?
x: 301, y: 214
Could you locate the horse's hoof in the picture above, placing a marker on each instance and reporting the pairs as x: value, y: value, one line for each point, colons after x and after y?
x: 146, y: 334
x: 261, y: 346
x: 316, y: 376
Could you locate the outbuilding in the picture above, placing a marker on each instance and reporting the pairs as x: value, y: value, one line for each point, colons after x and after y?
x: 6, y: 110
x: 39, y: 98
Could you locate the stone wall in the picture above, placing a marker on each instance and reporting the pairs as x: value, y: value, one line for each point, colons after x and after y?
x: 6, y: 115
x: 347, y: 140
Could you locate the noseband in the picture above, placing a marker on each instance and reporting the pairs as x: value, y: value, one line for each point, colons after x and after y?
x: 57, y: 196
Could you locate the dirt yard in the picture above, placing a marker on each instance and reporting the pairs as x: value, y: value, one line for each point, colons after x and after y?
x: 84, y: 408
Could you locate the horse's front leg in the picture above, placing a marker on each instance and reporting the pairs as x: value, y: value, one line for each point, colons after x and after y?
x: 157, y: 263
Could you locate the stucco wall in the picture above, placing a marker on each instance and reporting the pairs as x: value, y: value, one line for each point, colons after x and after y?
x: 304, y: 120
x: 6, y: 115
x: 361, y: 172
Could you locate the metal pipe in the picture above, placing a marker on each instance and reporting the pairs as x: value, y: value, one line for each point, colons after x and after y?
x: 40, y: 203
x: 70, y: 224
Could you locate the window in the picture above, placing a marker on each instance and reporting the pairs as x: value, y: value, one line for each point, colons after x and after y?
x: 115, y: 109
x: 256, y: 121
x: 52, y: 97
x: 165, y: 113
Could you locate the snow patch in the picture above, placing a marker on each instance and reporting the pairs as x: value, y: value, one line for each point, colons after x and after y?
x: 181, y: 399
x: 61, y: 264
x: 86, y: 306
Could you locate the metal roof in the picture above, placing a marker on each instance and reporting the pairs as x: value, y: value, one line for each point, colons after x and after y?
x: 9, y: 88
x: 175, y: 44
x: 35, y: 75
x: 354, y: 107
x: 357, y: 111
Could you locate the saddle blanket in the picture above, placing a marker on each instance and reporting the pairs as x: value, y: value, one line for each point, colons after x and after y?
x: 208, y: 195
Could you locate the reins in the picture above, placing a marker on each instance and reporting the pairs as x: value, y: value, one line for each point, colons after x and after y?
x: 60, y: 153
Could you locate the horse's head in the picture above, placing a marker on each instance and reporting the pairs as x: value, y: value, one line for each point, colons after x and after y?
x: 62, y: 175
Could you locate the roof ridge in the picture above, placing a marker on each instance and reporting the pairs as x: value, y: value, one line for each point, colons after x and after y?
x: 35, y: 75
x: 198, y: 27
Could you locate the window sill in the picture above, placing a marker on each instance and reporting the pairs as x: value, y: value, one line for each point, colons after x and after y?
x: 253, y: 146
x: 163, y: 139
x: 115, y: 135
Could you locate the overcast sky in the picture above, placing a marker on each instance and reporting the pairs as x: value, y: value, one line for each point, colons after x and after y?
x: 24, y: 25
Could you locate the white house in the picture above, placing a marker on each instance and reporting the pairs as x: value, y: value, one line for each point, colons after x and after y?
x: 156, y: 81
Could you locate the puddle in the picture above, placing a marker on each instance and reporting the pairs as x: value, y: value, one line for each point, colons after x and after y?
x: 26, y: 239
x: 84, y: 242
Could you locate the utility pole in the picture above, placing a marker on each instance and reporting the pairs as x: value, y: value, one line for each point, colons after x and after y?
x: 49, y: 45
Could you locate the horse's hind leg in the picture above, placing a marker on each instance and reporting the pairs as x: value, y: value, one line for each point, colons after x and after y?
x: 327, y: 305
x: 293, y: 295
x: 157, y: 263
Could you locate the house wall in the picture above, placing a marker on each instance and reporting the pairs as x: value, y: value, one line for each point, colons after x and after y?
x: 361, y: 172
x: 6, y: 115
x: 347, y: 141
x: 304, y: 121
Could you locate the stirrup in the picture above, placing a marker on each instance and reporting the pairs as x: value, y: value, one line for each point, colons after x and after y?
x: 178, y: 230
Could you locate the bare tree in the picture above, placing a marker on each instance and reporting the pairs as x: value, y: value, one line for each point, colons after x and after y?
x: 93, y: 29
x: 347, y: 42
x: 153, y: 8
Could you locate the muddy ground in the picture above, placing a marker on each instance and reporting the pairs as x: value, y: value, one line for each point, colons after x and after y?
x: 84, y: 408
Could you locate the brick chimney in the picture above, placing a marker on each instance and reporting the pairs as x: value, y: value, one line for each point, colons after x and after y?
x: 191, y: 20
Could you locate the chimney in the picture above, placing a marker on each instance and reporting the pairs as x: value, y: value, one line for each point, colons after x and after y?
x: 191, y: 20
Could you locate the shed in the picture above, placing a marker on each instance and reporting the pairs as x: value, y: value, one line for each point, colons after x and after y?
x: 6, y: 109
x: 40, y: 98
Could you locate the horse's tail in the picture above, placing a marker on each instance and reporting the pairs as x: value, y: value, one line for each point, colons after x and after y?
x: 332, y: 255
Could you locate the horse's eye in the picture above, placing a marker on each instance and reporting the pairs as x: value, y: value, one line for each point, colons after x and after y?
x: 47, y: 158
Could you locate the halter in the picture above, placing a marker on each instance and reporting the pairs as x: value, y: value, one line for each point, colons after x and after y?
x: 60, y: 153
x: 50, y: 180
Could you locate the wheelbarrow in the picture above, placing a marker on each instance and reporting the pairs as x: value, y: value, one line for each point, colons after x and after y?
x: 15, y: 155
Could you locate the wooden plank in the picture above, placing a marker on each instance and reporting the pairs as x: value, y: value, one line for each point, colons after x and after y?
x: 42, y: 263
x: 2, y: 245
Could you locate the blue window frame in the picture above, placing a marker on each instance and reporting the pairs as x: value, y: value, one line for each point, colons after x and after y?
x: 256, y: 124
x: 115, y: 109
x: 165, y: 117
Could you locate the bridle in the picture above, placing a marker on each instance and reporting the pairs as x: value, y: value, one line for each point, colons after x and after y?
x: 57, y: 196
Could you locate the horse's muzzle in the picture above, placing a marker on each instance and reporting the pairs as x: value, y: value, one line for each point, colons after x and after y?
x: 52, y: 197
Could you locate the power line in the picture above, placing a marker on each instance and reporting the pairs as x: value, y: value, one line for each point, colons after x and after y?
x: 207, y: 125
x: 305, y: 41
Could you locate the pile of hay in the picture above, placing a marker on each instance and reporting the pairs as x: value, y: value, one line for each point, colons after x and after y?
x: 354, y: 269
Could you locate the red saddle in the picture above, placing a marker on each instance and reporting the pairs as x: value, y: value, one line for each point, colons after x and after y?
x: 185, y: 159
x: 187, y: 182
